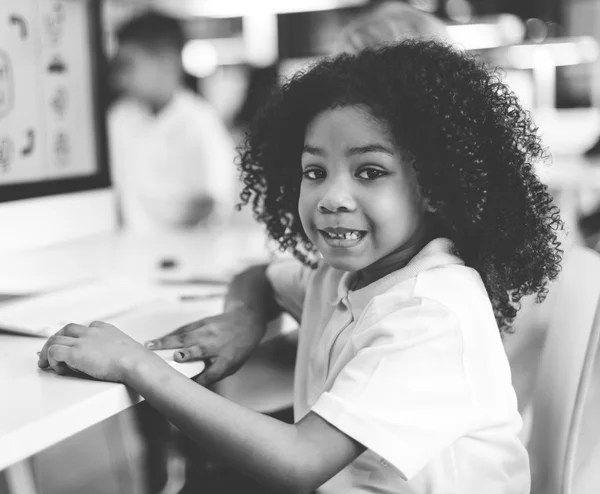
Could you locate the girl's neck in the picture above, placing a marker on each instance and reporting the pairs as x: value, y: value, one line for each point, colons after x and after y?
x: 158, y: 103
x: 156, y: 106
x: 394, y: 261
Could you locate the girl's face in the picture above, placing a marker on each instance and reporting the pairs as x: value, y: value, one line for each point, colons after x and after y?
x: 359, y: 198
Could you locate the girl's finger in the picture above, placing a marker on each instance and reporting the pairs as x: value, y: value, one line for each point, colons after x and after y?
x: 73, y: 330
x: 184, y: 336
x: 58, y: 357
x: 166, y: 342
x: 101, y: 325
x: 53, y: 340
x: 194, y: 352
x: 171, y: 337
x: 214, y: 372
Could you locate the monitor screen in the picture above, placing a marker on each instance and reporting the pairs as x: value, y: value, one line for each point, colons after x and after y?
x: 52, y: 125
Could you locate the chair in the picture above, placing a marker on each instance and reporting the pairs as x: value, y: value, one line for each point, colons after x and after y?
x: 563, y: 384
x: 265, y: 383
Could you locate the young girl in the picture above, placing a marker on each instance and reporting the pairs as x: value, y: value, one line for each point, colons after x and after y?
x: 403, y: 181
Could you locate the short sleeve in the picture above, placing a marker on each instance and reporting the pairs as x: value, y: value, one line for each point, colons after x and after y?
x: 289, y: 279
x: 405, y: 395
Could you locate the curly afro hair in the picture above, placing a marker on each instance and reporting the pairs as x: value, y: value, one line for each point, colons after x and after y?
x: 475, y: 150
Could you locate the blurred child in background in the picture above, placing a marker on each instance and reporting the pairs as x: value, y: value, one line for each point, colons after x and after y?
x: 172, y: 158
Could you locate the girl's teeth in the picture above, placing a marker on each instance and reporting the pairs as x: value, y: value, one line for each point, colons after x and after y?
x: 346, y: 236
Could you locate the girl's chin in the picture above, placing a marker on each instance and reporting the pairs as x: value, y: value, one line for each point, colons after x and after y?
x: 338, y: 262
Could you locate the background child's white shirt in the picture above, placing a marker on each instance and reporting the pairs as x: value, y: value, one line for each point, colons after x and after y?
x: 163, y: 160
x: 413, y: 367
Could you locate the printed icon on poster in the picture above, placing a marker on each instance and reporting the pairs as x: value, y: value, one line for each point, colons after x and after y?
x: 62, y: 149
x: 29, y: 147
x: 59, y: 101
x: 55, y: 22
x: 57, y: 66
x: 7, y: 89
x: 6, y: 154
x: 20, y: 23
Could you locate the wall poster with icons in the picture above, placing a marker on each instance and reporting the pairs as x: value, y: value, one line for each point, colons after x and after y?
x: 47, y: 127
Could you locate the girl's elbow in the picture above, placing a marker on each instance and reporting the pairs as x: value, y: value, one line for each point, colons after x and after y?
x: 297, y: 478
x: 302, y: 481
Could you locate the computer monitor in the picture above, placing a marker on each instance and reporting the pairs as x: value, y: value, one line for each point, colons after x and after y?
x: 54, y: 175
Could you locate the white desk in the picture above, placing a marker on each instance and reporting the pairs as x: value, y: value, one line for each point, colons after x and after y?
x: 39, y: 408
x: 214, y: 254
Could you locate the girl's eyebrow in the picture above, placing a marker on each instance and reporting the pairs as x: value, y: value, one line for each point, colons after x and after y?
x: 312, y: 150
x: 369, y: 148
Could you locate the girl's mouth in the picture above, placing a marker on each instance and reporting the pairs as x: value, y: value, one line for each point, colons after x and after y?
x: 342, y: 237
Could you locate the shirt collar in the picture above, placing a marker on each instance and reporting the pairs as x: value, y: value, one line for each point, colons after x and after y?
x: 436, y: 253
x: 173, y: 107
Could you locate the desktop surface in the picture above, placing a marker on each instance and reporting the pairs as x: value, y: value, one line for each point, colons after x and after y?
x: 201, y: 255
x: 41, y: 408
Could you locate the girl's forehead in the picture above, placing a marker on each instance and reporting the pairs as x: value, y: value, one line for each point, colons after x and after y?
x: 350, y: 121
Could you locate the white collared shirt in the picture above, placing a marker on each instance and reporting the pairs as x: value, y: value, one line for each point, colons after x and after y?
x: 159, y: 162
x: 412, y: 366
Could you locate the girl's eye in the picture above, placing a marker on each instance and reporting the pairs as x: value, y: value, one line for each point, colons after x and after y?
x: 370, y: 173
x: 313, y: 174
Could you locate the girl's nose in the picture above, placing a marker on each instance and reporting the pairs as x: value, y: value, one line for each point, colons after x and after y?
x: 337, y: 198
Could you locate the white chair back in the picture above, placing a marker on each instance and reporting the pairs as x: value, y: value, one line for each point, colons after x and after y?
x: 565, y: 373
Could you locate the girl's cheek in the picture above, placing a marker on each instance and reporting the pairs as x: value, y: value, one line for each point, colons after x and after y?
x: 304, y: 217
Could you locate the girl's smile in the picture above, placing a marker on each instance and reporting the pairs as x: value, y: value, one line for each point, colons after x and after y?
x: 360, y: 203
x: 342, y: 237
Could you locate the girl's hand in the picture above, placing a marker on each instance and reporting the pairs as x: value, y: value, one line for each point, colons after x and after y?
x: 225, y: 341
x: 100, y: 351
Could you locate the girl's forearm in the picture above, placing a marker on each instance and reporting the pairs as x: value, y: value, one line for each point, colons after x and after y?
x: 252, y: 289
x: 257, y: 445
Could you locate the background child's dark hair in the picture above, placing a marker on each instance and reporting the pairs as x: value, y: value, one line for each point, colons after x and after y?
x: 474, y: 147
x: 153, y: 31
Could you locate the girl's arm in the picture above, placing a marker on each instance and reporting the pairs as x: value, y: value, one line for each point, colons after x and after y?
x: 252, y: 290
x: 285, y: 458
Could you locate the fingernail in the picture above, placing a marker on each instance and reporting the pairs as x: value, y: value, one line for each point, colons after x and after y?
x: 150, y: 345
x: 181, y: 355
